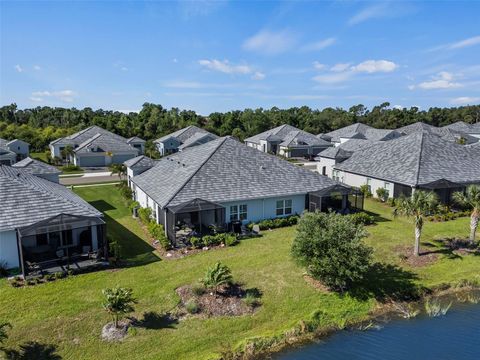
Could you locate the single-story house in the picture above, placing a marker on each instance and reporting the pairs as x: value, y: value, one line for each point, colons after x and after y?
x: 44, y: 226
x: 138, y: 165
x: 97, y: 147
x: 287, y: 141
x: 38, y: 168
x: 224, y: 182
x: 331, y: 156
x: 453, y: 133
x: 183, y: 139
x: 420, y: 160
x: 360, y: 131
x: 19, y: 147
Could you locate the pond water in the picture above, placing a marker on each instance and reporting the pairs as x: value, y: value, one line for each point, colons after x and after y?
x: 455, y: 336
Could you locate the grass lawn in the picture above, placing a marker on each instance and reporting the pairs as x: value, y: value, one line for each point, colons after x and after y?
x: 42, y: 156
x: 68, y: 313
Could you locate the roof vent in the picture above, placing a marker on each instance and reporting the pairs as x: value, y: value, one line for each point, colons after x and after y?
x: 262, y: 167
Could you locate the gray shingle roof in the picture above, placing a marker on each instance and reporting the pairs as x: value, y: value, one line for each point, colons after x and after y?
x: 86, y: 134
x: 135, y: 139
x: 105, y: 143
x: 348, y: 131
x: 346, y: 149
x: 462, y: 126
x: 140, y: 162
x: 288, y: 136
x: 36, y: 167
x: 199, y: 138
x: 225, y: 170
x: 416, y: 159
x: 26, y: 199
x: 184, y: 134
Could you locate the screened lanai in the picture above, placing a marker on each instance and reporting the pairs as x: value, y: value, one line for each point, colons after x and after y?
x: 61, y: 242
x: 337, y: 198
x: 194, y: 218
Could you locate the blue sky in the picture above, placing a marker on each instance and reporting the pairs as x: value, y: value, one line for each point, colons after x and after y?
x: 218, y: 56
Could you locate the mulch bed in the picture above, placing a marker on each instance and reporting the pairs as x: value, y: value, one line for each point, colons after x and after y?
x: 405, y: 252
x: 227, y: 302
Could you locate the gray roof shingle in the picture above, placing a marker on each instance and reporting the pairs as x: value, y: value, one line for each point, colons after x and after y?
x: 416, y: 159
x: 288, y: 136
x: 141, y: 162
x: 346, y: 149
x: 27, y: 199
x: 105, y: 143
x: 184, y: 134
x: 36, y: 167
x: 226, y: 170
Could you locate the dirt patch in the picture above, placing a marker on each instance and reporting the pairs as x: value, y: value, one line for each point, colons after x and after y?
x: 426, y: 257
x: 317, y: 284
x: 228, y: 301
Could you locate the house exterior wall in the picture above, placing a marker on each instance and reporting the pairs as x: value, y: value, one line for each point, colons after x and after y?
x: 9, y: 249
x: 140, y: 146
x: 359, y: 180
x: 167, y: 146
x: 261, y: 209
x: 8, y: 159
x: 55, y: 150
x: 144, y: 200
x: 326, y: 163
x: 50, y: 177
x: 19, y: 147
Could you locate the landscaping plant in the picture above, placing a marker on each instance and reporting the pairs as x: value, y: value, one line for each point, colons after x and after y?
x: 118, y: 301
x: 419, y: 205
x: 330, y: 246
x: 3, y: 331
x: 216, y: 276
x: 470, y: 198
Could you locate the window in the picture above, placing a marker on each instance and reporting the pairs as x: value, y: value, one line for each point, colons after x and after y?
x: 369, y: 184
x: 336, y: 175
x: 238, y: 212
x: 324, y: 170
x: 284, y: 207
x: 386, y: 186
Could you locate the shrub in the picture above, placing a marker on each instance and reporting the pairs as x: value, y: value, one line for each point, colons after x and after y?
x: 158, y: 233
x: 216, y: 276
x: 50, y: 277
x: 330, y: 247
x: 198, y: 289
x: 391, y: 202
x: 275, y: 223
x: 211, y: 240
x: 365, y: 190
x: 125, y: 191
x: 133, y: 205
x: 192, y: 307
x: 118, y: 301
x: 362, y: 218
x: 115, y: 249
x: 145, y: 215
x: 59, y: 275
x: 230, y: 239
x: 382, y: 194
x: 71, y: 167
x: 196, y: 242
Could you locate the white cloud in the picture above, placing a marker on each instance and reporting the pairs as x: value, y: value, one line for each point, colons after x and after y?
x: 442, y: 80
x: 258, y: 76
x: 62, y: 95
x: 333, y: 78
x: 465, y: 100
x: 373, y: 66
x: 270, y: 42
x: 128, y: 111
x: 225, y: 67
x: 318, y: 66
x: 18, y: 68
x: 36, y: 67
x: 340, y: 67
x: 319, y: 45
x: 398, y: 107
x: 475, y: 40
x: 371, y: 12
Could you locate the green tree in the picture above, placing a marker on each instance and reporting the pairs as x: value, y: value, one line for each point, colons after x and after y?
x: 216, y: 276
x: 118, y: 169
x: 330, y: 246
x: 470, y: 198
x: 118, y: 301
x: 417, y: 206
x: 67, y: 152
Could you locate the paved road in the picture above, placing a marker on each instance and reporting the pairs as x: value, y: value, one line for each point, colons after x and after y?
x: 89, y: 178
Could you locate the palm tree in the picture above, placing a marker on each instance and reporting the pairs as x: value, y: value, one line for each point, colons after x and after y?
x: 67, y: 152
x: 470, y: 198
x: 118, y: 301
x: 216, y: 276
x: 119, y: 169
x: 420, y: 204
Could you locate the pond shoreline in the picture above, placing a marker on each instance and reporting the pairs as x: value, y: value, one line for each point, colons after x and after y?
x: 262, y: 348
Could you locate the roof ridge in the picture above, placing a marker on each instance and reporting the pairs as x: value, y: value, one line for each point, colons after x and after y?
x: 196, y: 171
x: 420, y: 157
x: 88, y: 141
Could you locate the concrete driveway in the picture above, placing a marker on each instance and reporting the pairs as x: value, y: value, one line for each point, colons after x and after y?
x: 89, y: 178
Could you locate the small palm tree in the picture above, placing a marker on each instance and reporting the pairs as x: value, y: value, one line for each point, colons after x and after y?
x: 471, y: 198
x: 118, y: 301
x: 216, y: 276
x: 3, y: 331
x: 420, y: 204
x: 67, y: 152
x: 119, y: 169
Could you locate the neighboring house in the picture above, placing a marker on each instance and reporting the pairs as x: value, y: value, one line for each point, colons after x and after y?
x: 97, y: 147
x: 463, y: 127
x: 138, y: 165
x: 223, y: 182
x: 38, y: 168
x: 420, y: 160
x: 360, y: 131
x: 44, y: 226
x: 19, y: 147
x: 7, y: 157
x: 452, y: 133
x: 288, y: 141
x: 183, y: 139
x: 328, y: 158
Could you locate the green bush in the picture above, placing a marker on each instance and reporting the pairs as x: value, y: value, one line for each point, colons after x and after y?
x: 362, y: 218
x: 365, y: 190
x: 382, y: 194
x: 230, y: 239
x: 145, y: 215
x: 196, y: 242
x: 216, y: 276
x: 157, y: 231
x: 391, y: 202
x: 70, y: 168
x: 125, y: 191
x: 133, y: 205
x: 198, y: 289
x: 211, y: 240
x: 275, y: 223
x: 192, y: 307
x: 330, y: 246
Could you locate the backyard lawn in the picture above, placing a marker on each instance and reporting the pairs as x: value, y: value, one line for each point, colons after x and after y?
x: 68, y: 313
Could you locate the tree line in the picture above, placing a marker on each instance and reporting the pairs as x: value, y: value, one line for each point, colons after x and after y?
x: 38, y: 126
